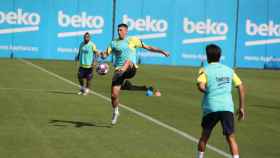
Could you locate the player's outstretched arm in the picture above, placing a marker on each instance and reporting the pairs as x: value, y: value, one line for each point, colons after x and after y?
x: 77, y: 56
x: 79, y: 52
x: 104, y: 54
x: 95, y: 60
x: 241, y: 109
x: 157, y: 50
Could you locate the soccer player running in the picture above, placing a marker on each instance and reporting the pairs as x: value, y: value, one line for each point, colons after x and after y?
x: 86, y: 56
x: 124, y: 50
x: 215, y: 81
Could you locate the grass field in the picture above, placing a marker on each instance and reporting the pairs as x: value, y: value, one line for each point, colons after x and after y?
x: 41, y: 115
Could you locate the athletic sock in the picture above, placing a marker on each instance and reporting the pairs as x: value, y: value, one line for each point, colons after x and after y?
x: 200, y: 154
x: 235, y: 156
x: 116, y: 110
x: 82, y: 88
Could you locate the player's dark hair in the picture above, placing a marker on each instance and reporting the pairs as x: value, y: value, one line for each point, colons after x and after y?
x: 213, y: 53
x: 122, y: 25
x: 87, y: 33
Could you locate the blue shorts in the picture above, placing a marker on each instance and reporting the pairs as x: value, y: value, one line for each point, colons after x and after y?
x: 225, y: 117
x: 85, y: 73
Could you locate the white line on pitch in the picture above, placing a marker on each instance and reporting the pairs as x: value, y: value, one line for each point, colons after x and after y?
x: 145, y: 116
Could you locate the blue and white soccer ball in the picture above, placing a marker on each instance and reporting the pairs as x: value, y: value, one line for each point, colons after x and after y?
x: 102, y: 69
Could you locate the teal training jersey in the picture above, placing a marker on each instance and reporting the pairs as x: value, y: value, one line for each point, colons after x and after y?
x: 87, y: 54
x: 125, y: 50
x: 218, y: 92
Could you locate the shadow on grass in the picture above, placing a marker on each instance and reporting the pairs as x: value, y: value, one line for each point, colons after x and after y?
x: 78, y: 124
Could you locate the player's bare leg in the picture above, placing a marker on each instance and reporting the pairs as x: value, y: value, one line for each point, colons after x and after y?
x: 82, y: 87
x: 115, y: 92
x: 233, y: 145
x: 202, y: 144
x: 86, y: 91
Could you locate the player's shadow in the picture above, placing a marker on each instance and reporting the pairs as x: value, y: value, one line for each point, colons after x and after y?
x: 78, y: 124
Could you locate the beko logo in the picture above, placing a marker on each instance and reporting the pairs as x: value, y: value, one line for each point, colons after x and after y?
x: 269, y: 30
x: 29, y: 21
x: 205, y: 27
x: 94, y: 24
x: 215, y: 31
x: 153, y: 28
x: 80, y: 21
x: 264, y: 29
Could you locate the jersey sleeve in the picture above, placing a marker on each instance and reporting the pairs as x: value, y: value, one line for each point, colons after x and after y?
x: 94, y: 49
x: 137, y: 43
x: 236, y: 80
x: 201, y: 76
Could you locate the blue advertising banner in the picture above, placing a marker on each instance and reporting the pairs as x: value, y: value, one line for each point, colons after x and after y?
x: 273, y: 43
x: 248, y: 31
x: 249, y: 51
x: 150, y: 23
x: 52, y: 29
x: 70, y: 22
x: 30, y: 33
x: 259, y: 34
x: 20, y: 28
x: 5, y: 27
x: 200, y: 23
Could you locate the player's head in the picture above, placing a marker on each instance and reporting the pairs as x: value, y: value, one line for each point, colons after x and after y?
x: 213, y: 53
x: 86, y: 37
x: 122, y: 30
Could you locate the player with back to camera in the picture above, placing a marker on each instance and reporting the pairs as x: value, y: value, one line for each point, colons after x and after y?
x: 215, y: 81
x: 86, y: 57
x: 124, y: 50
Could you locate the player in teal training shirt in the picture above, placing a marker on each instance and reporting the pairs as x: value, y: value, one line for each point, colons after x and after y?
x: 215, y: 81
x: 86, y: 56
x: 124, y: 50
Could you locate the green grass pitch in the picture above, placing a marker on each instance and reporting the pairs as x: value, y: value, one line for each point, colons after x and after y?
x: 42, y: 115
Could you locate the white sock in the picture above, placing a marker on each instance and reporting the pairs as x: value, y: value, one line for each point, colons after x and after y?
x: 116, y: 110
x: 235, y: 156
x: 200, y: 154
x: 82, y: 88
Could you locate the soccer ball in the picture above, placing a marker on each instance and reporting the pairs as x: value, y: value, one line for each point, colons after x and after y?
x: 102, y: 69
